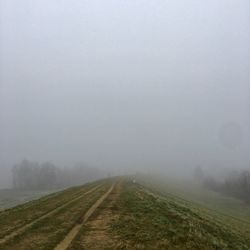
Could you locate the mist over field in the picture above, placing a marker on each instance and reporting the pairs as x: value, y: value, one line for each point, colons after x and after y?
x: 125, y: 86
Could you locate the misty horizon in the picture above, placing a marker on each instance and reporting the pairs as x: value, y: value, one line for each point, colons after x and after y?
x: 125, y: 86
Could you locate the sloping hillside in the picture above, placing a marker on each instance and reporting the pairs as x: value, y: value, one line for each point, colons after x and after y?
x: 118, y: 214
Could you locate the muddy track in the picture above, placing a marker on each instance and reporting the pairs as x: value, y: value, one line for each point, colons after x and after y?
x: 65, y: 243
x: 51, y: 212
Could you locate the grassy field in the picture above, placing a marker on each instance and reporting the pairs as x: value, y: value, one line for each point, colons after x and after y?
x: 149, y: 221
x: 11, y: 197
x: 193, y: 192
x: 42, y: 223
x: 149, y: 214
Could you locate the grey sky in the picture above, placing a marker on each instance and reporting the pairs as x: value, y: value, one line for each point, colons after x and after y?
x: 136, y: 84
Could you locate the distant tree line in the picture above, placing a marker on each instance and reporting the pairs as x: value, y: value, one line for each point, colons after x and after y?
x: 32, y: 175
x: 236, y: 184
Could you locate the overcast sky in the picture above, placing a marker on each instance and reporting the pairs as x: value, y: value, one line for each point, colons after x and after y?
x: 138, y: 84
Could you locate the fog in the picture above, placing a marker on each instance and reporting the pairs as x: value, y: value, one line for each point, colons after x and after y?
x: 151, y: 86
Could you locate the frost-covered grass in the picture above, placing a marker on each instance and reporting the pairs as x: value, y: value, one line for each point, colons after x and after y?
x: 195, y: 193
x: 12, y: 197
x: 47, y: 233
x: 149, y: 222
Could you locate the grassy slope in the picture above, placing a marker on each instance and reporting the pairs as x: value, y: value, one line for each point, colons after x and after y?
x: 47, y: 233
x: 10, y: 197
x: 149, y: 222
x: 13, y: 218
x: 194, y: 192
x: 149, y: 216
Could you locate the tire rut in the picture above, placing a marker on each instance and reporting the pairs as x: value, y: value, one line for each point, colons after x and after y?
x: 30, y: 224
x: 65, y: 243
x: 97, y: 235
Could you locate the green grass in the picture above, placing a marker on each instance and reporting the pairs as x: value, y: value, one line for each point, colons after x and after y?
x: 151, y: 214
x: 149, y: 222
x: 14, y: 218
x: 193, y: 192
x: 13, y: 197
x: 46, y: 234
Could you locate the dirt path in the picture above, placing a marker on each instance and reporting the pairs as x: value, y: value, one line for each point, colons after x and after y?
x: 75, y: 230
x: 98, y: 237
x: 27, y: 226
